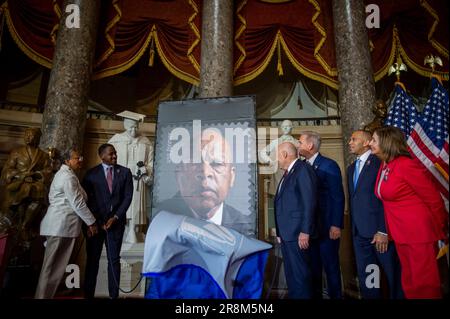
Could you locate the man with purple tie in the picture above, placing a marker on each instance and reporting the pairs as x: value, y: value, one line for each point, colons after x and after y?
x: 109, y: 187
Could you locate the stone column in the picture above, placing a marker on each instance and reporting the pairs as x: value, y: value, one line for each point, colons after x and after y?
x: 356, y: 82
x: 216, y: 63
x: 64, y: 116
x: 356, y: 98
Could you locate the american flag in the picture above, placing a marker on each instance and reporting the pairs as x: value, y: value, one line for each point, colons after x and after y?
x: 427, y: 135
x: 402, y: 111
x: 429, y: 138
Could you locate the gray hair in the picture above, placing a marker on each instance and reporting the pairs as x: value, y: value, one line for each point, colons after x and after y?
x: 67, y: 154
x: 313, y: 137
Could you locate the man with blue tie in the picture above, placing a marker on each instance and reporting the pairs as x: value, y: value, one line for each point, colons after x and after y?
x: 110, y: 190
x: 330, y: 210
x: 370, y: 240
x: 295, y: 206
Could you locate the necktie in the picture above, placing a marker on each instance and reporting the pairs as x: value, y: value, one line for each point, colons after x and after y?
x: 356, y: 173
x: 282, y: 179
x: 109, y: 178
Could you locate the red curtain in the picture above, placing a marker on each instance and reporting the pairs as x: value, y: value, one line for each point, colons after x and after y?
x: 169, y: 27
x: 294, y: 28
x: 411, y: 30
x: 33, y: 25
x: 301, y: 30
x: 127, y: 28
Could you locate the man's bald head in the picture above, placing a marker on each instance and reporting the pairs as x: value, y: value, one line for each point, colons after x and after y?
x: 287, y: 152
x: 289, y: 148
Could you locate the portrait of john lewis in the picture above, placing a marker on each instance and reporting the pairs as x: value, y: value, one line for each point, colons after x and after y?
x: 203, y: 188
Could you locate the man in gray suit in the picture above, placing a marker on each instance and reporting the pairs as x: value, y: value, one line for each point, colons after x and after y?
x: 62, y: 224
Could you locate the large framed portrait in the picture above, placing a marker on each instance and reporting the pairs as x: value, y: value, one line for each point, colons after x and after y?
x: 206, y: 163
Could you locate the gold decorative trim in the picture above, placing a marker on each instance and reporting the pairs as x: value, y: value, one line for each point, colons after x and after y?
x: 441, y: 170
x: 279, y: 65
x: 439, y: 47
x: 308, y: 73
x: 109, y: 26
x: 418, y: 68
x: 126, y: 65
x: 172, y: 68
x: 58, y: 14
x: 385, y: 68
x: 153, y: 35
x: 194, y: 28
x: 275, y: 1
x: 331, y: 71
x: 277, y: 41
x: 239, y: 32
x: 398, y: 50
x: 400, y: 84
x: 33, y: 55
x: 253, y: 74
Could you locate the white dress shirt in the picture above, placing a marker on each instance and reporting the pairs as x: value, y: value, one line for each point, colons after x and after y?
x: 217, y: 217
x: 312, y: 159
x: 288, y: 170
x: 67, y: 207
x: 105, y: 169
x: 363, y: 158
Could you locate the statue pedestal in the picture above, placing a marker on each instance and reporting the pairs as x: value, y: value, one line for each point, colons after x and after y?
x: 131, y: 259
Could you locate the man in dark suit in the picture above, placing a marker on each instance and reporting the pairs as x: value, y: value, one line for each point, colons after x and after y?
x: 295, y: 206
x: 370, y: 240
x: 110, y: 190
x: 203, y: 187
x: 330, y: 210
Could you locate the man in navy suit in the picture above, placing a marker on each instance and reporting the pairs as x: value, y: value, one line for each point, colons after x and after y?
x: 330, y: 209
x: 110, y: 190
x: 295, y: 206
x: 370, y: 240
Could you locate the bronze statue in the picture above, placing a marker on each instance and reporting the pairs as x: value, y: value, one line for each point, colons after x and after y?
x: 24, y: 185
x: 380, y: 112
x: 55, y: 161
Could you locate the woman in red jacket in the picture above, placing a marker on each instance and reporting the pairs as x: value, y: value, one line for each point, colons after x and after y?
x: 414, y: 210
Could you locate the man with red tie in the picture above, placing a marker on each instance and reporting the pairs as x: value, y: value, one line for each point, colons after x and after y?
x: 295, y: 219
x: 109, y: 187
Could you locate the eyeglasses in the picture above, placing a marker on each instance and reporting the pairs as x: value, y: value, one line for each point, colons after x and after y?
x: 79, y: 158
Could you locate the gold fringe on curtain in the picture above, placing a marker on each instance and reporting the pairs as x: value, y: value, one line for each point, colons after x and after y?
x: 33, y: 55
x: 109, y: 26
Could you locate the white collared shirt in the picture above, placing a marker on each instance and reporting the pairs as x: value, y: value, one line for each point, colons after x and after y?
x: 216, y: 218
x: 288, y: 170
x: 312, y: 159
x: 105, y: 169
x: 363, y: 158
x: 67, y: 207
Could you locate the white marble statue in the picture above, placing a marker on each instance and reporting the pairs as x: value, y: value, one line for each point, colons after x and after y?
x: 135, y: 151
x: 268, y: 154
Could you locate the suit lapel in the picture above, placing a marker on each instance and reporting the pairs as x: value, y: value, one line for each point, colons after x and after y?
x: 286, y: 179
x: 116, y: 176
x: 364, y: 170
x: 102, y: 178
x: 351, y: 172
x: 317, y: 162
